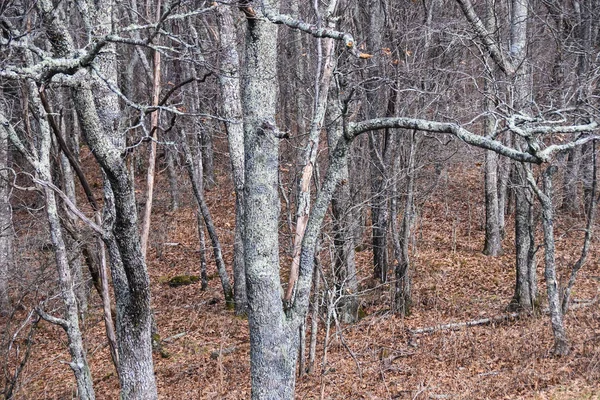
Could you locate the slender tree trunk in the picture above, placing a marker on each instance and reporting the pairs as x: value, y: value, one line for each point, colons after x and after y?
x: 503, y: 178
x: 589, y: 231
x: 325, y: 65
x: 570, y: 198
x: 314, y: 320
x: 152, y: 156
x: 202, y: 238
x: 172, y: 172
x: 378, y: 146
x: 561, y: 345
x: 345, y: 265
x: 70, y: 323
x: 229, y: 81
x: 196, y: 179
x: 403, y: 286
x: 208, y: 158
x: 74, y: 248
x: 6, y: 226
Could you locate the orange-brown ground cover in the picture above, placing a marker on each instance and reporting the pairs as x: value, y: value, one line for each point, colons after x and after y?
x: 453, y: 282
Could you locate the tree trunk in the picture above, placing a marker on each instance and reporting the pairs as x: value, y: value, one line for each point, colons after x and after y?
x: 272, y: 350
x: 570, y: 199
x: 561, y: 345
x: 341, y: 206
x: 6, y: 226
x: 378, y: 146
x: 130, y: 277
x: 172, y: 172
x: 493, y: 237
x: 229, y: 81
x: 325, y: 65
x: 403, y: 287
x: 196, y: 179
x: 525, y: 292
x: 70, y: 323
x: 154, y: 120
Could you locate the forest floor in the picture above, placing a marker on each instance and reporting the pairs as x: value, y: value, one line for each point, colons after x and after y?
x: 206, y: 347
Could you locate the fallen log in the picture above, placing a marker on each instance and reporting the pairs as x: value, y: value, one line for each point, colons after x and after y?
x: 492, y: 320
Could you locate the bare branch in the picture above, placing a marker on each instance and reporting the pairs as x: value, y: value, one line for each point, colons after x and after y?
x: 486, y: 37
x: 468, y: 137
x: 52, y: 319
x: 98, y: 229
x: 319, y: 32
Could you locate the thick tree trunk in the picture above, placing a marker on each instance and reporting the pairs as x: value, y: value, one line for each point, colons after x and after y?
x: 493, y: 230
x: 493, y: 236
x: 272, y: 342
x: 526, y: 281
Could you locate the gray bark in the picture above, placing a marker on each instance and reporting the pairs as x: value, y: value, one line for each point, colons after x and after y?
x: 197, y: 181
x: 493, y: 236
x: 589, y: 231
x: 208, y: 157
x: 344, y: 265
x: 402, y: 301
x: 172, y: 172
x: 380, y: 147
x: 6, y: 226
x: 70, y: 323
x: 526, y: 281
x: 493, y: 233
x: 561, y: 344
x: 202, y: 249
x: 79, y: 282
x: 571, y: 179
x: 273, y: 349
x: 229, y: 81
x: 325, y: 65
x: 99, y: 124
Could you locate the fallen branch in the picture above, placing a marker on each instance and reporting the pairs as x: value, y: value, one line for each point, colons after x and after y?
x: 459, y: 325
x: 174, y: 337
x: 492, y: 320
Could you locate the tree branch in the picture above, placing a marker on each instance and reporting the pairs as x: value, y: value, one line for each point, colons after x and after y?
x: 481, y: 31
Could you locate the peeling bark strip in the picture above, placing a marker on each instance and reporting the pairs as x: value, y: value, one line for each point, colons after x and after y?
x: 152, y: 156
x: 310, y: 152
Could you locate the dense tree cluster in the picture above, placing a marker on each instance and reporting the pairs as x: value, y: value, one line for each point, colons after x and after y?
x: 391, y: 89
